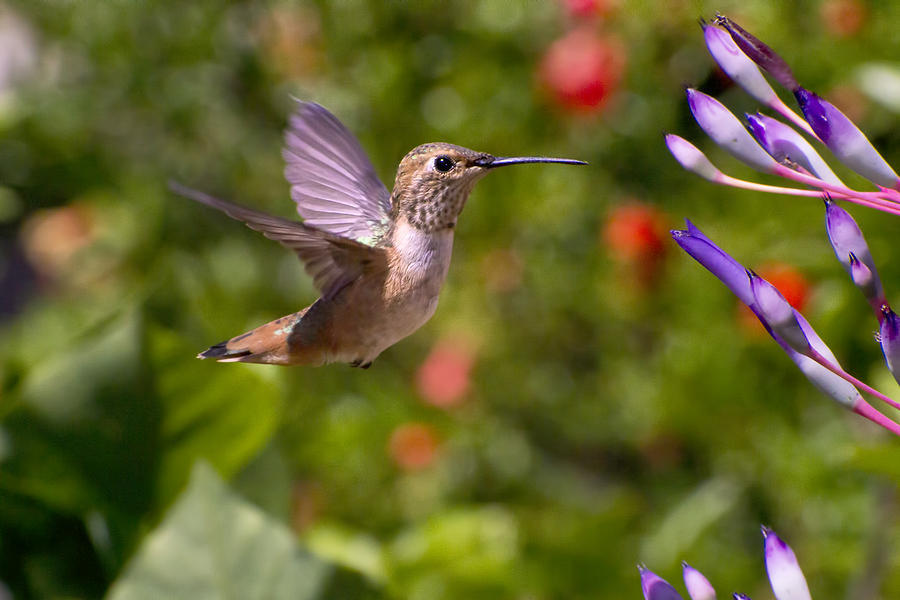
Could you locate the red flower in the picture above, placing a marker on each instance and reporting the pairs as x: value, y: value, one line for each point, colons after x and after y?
x: 844, y: 18
x: 635, y: 232
x: 636, y: 237
x: 53, y: 237
x: 413, y: 446
x: 582, y: 70
x: 445, y: 377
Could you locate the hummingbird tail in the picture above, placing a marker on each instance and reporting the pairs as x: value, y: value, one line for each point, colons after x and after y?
x: 266, y: 344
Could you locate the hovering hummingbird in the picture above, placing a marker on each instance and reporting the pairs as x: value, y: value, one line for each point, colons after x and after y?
x: 379, y: 258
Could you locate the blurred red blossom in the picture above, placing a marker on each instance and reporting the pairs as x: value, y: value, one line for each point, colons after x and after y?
x: 413, y: 446
x: 852, y: 101
x: 583, y: 9
x: 290, y: 38
x: 52, y: 237
x: 635, y: 232
x: 444, y: 379
x: 582, y: 70
x: 636, y: 237
x: 844, y: 18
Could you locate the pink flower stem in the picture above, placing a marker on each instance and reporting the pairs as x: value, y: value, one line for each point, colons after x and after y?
x: 891, y: 193
x: 723, y: 179
x: 813, y: 181
x: 870, y: 199
x: 770, y: 189
x: 864, y: 409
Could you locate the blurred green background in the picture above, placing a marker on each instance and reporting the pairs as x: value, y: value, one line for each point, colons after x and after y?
x: 586, y: 397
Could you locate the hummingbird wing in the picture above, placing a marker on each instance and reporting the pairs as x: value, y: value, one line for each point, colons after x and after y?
x: 331, y: 260
x: 332, y: 180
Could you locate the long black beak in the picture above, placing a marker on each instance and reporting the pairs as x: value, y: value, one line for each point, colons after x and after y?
x: 490, y: 162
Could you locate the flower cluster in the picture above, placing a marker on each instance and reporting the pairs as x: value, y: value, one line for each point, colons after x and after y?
x: 784, y: 572
x: 772, y: 146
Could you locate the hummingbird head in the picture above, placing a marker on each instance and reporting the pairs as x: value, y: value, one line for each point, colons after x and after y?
x: 434, y: 181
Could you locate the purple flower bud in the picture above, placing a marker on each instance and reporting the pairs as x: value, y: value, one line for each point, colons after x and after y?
x: 777, y: 312
x: 782, y: 142
x: 697, y: 585
x: 738, y: 65
x: 655, y: 587
x: 847, y: 239
x: 845, y: 140
x: 889, y: 336
x: 863, y: 278
x: 726, y: 130
x: 740, y: 597
x: 785, y: 575
x: 715, y: 260
x: 759, y: 53
x: 835, y: 387
x: 691, y: 158
x: 734, y: 276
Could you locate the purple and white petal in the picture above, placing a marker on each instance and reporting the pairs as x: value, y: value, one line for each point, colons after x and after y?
x: 846, y: 238
x: 738, y: 65
x: 835, y: 387
x: 759, y: 53
x: 698, y: 586
x: 655, y: 587
x: 715, y: 260
x: 727, y: 131
x: 845, y: 140
x: 889, y: 336
x: 784, y: 572
x: 691, y: 158
x: 777, y: 312
x: 863, y: 278
x: 783, y: 142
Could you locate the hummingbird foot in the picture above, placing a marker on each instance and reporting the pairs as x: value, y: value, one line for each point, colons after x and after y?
x: 359, y: 363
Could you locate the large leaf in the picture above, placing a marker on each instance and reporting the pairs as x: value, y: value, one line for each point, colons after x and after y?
x: 214, y: 545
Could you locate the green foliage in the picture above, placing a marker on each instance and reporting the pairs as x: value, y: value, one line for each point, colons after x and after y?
x: 617, y: 410
x: 211, y: 544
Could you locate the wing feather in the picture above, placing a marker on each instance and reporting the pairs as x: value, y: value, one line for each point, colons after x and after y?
x: 331, y: 260
x: 332, y: 180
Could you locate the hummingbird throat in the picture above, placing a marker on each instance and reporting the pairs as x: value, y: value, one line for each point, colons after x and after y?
x: 435, y: 208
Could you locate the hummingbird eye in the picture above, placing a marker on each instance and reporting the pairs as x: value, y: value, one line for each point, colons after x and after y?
x: 443, y: 163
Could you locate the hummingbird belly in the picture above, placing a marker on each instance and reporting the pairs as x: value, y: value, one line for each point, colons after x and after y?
x: 371, y: 315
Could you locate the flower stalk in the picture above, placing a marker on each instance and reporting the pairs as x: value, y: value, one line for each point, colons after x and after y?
x: 787, y: 327
x: 785, y: 576
x: 783, y: 151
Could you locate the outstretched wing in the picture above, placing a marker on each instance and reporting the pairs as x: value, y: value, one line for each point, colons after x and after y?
x: 332, y: 261
x: 332, y: 181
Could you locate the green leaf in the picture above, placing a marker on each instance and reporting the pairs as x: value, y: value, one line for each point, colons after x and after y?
x: 212, y: 545
x: 223, y: 415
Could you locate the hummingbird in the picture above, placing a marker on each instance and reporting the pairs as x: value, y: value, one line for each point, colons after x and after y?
x: 378, y: 258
